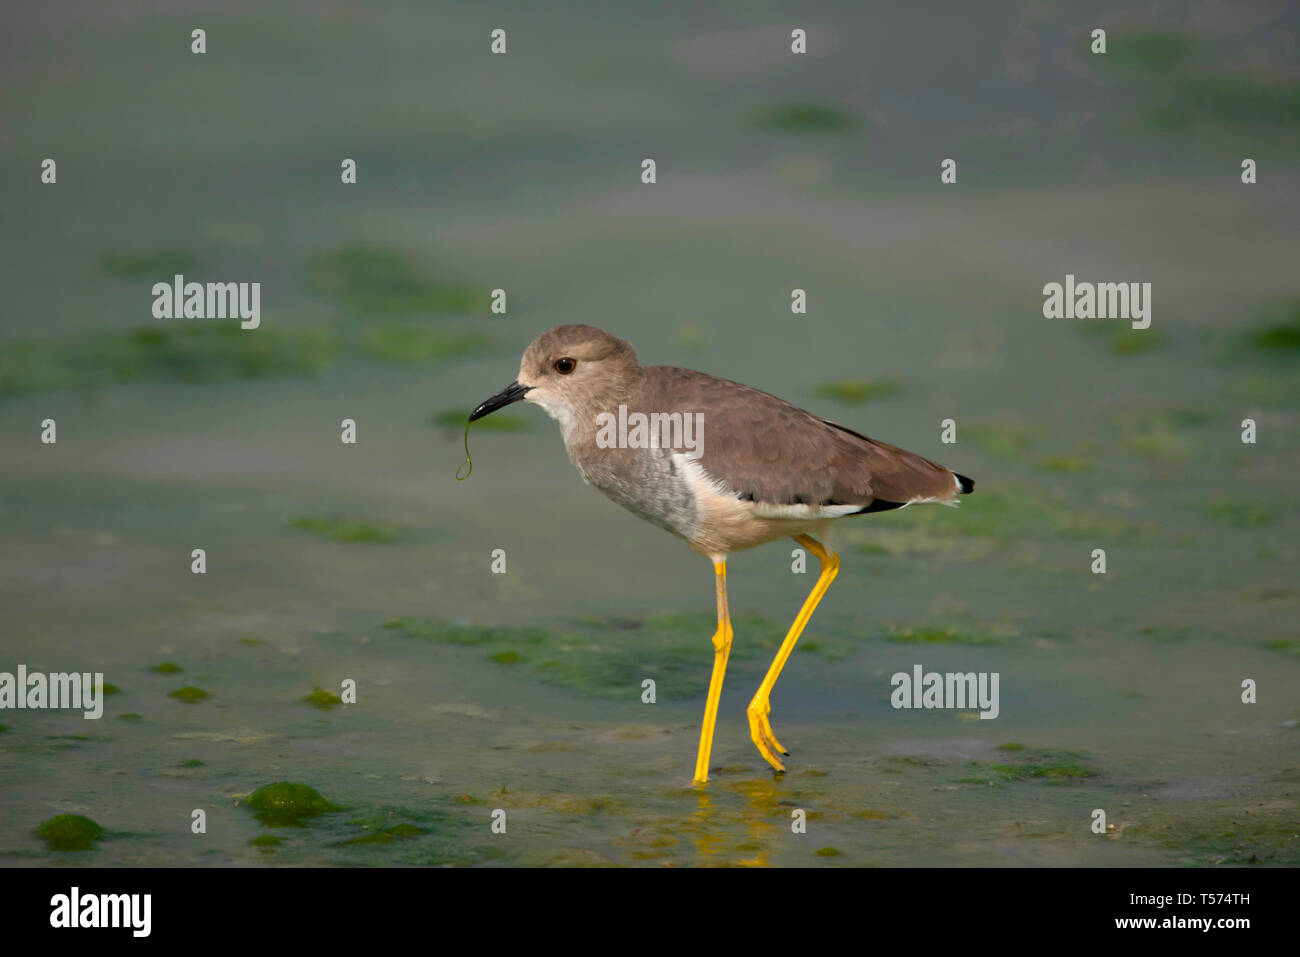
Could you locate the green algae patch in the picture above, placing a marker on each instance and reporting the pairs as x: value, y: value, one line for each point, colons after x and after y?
x: 287, y: 803
x: 159, y: 266
x: 1121, y: 339
x: 1165, y: 118
x: 1286, y: 646
x: 388, y: 835
x: 111, y: 688
x: 166, y: 668
x: 1023, y: 764
x: 422, y: 344
x: 610, y: 657
x: 1230, y: 99
x: 1135, y: 342
x: 1271, y: 340
x: 1152, y: 438
x: 1065, y: 464
x: 1153, y: 51
x: 875, y: 548
x: 1162, y: 434
x: 348, y: 530
x: 405, y: 830
x: 400, y: 825
x: 322, y: 699
x: 1218, y: 834
x: 857, y: 391
x: 824, y: 649
x: 1236, y: 514
x: 1003, y: 441
x: 1240, y: 100
x: 1281, y: 338
x: 559, y: 802
x: 807, y: 116
x: 931, y: 635
x: 1011, y: 746
x: 69, y: 832
x: 930, y: 541
x: 3, y: 728
x: 223, y: 352
x: 130, y: 716
x: 189, y: 694
x: 1262, y: 389
x: 1163, y: 633
x: 192, y: 763
x: 939, y: 636
x: 601, y: 658
x: 647, y: 843
x: 382, y: 281
x: 265, y: 841
x: 496, y: 422
x: 874, y: 814
x: 828, y: 852
x: 462, y: 634
x: 187, y: 353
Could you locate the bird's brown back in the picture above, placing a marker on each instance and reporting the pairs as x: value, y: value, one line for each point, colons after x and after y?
x: 764, y: 449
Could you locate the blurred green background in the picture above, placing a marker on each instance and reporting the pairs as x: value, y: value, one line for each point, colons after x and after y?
x: 522, y: 691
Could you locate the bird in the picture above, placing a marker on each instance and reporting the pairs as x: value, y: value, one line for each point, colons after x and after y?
x: 722, y: 465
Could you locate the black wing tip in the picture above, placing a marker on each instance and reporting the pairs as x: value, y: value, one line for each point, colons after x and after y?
x: 879, y: 505
x: 966, y: 485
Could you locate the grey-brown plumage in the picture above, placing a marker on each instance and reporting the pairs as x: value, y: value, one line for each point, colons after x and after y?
x: 769, y: 451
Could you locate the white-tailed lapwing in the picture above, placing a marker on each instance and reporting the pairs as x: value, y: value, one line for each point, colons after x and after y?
x: 719, y: 464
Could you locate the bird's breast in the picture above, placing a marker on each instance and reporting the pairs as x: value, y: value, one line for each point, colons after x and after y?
x: 646, y: 482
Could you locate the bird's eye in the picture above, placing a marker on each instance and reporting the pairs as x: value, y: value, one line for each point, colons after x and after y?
x: 566, y: 365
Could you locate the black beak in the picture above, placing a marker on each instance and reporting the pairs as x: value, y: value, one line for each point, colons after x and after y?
x: 511, y: 393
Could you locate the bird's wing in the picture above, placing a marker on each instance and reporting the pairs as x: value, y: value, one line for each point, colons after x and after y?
x: 763, y: 449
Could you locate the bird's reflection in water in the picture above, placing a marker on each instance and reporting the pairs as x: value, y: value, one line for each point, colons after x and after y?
x: 715, y: 829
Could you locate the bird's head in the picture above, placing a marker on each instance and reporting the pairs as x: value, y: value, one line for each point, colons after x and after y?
x: 568, y: 371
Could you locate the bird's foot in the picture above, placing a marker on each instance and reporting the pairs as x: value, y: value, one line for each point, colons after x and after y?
x: 760, y: 732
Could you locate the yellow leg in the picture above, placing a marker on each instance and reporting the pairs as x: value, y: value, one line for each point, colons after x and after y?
x: 760, y: 729
x: 721, y: 649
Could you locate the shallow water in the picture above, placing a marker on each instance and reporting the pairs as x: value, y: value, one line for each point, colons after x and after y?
x: 1130, y: 681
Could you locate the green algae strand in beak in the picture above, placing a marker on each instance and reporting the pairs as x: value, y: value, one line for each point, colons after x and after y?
x: 468, y: 465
